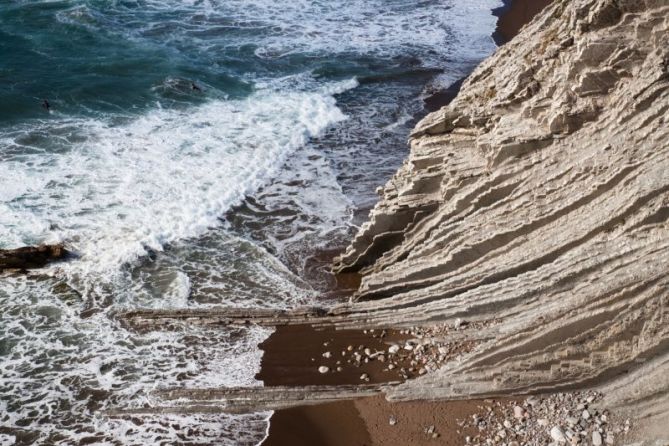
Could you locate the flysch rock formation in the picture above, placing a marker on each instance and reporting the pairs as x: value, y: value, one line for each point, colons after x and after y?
x: 539, y: 198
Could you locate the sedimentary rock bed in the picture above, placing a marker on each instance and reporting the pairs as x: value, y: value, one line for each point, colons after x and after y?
x: 539, y: 197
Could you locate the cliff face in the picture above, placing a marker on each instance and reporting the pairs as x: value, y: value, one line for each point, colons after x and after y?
x: 538, y: 200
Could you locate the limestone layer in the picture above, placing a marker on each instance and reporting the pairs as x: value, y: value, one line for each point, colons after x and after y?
x: 539, y: 198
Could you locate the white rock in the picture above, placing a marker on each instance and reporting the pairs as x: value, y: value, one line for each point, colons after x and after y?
x: 327, y: 355
x: 558, y: 435
x: 392, y: 420
x: 323, y: 369
x: 518, y: 412
x: 542, y: 422
x: 596, y: 439
x: 585, y: 415
x: 393, y: 349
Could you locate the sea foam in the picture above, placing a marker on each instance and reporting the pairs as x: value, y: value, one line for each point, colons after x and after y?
x: 123, y: 190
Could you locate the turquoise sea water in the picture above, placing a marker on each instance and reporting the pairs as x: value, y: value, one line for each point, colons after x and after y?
x: 171, y: 195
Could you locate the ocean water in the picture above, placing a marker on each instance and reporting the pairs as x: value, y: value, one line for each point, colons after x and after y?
x: 234, y: 193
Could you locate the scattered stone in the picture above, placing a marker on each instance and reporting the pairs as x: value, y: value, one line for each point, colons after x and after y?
x: 323, y: 369
x: 518, y: 412
x: 392, y: 420
x: 393, y: 349
x: 327, y: 355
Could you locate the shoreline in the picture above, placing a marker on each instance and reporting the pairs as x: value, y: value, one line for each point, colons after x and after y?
x: 289, y: 360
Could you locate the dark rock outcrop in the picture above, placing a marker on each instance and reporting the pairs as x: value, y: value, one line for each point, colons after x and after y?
x: 31, y: 257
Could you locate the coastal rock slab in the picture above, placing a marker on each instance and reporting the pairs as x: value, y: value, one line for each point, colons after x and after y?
x: 538, y: 200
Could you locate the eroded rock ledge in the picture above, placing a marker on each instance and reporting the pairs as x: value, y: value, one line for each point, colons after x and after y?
x: 540, y: 197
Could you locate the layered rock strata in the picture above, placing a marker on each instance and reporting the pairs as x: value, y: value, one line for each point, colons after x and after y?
x: 539, y: 198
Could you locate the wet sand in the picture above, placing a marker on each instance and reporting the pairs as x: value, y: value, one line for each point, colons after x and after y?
x: 515, y: 16
x: 292, y: 357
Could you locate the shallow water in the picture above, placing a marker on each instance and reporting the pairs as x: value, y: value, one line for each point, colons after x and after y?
x: 174, y: 196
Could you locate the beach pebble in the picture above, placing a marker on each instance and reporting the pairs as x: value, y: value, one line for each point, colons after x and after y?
x: 364, y: 377
x: 327, y: 355
x: 596, y: 439
x: 392, y: 420
x: 518, y: 412
x: 585, y: 415
x: 393, y: 349
x: 532, y: 401
x: 557, y: 434
x: 323, y: 369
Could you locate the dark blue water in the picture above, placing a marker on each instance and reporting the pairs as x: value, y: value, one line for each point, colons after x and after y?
x: 196, y: 152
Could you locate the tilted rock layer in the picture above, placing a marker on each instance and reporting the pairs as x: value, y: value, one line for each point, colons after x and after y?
x: 539, y: 198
